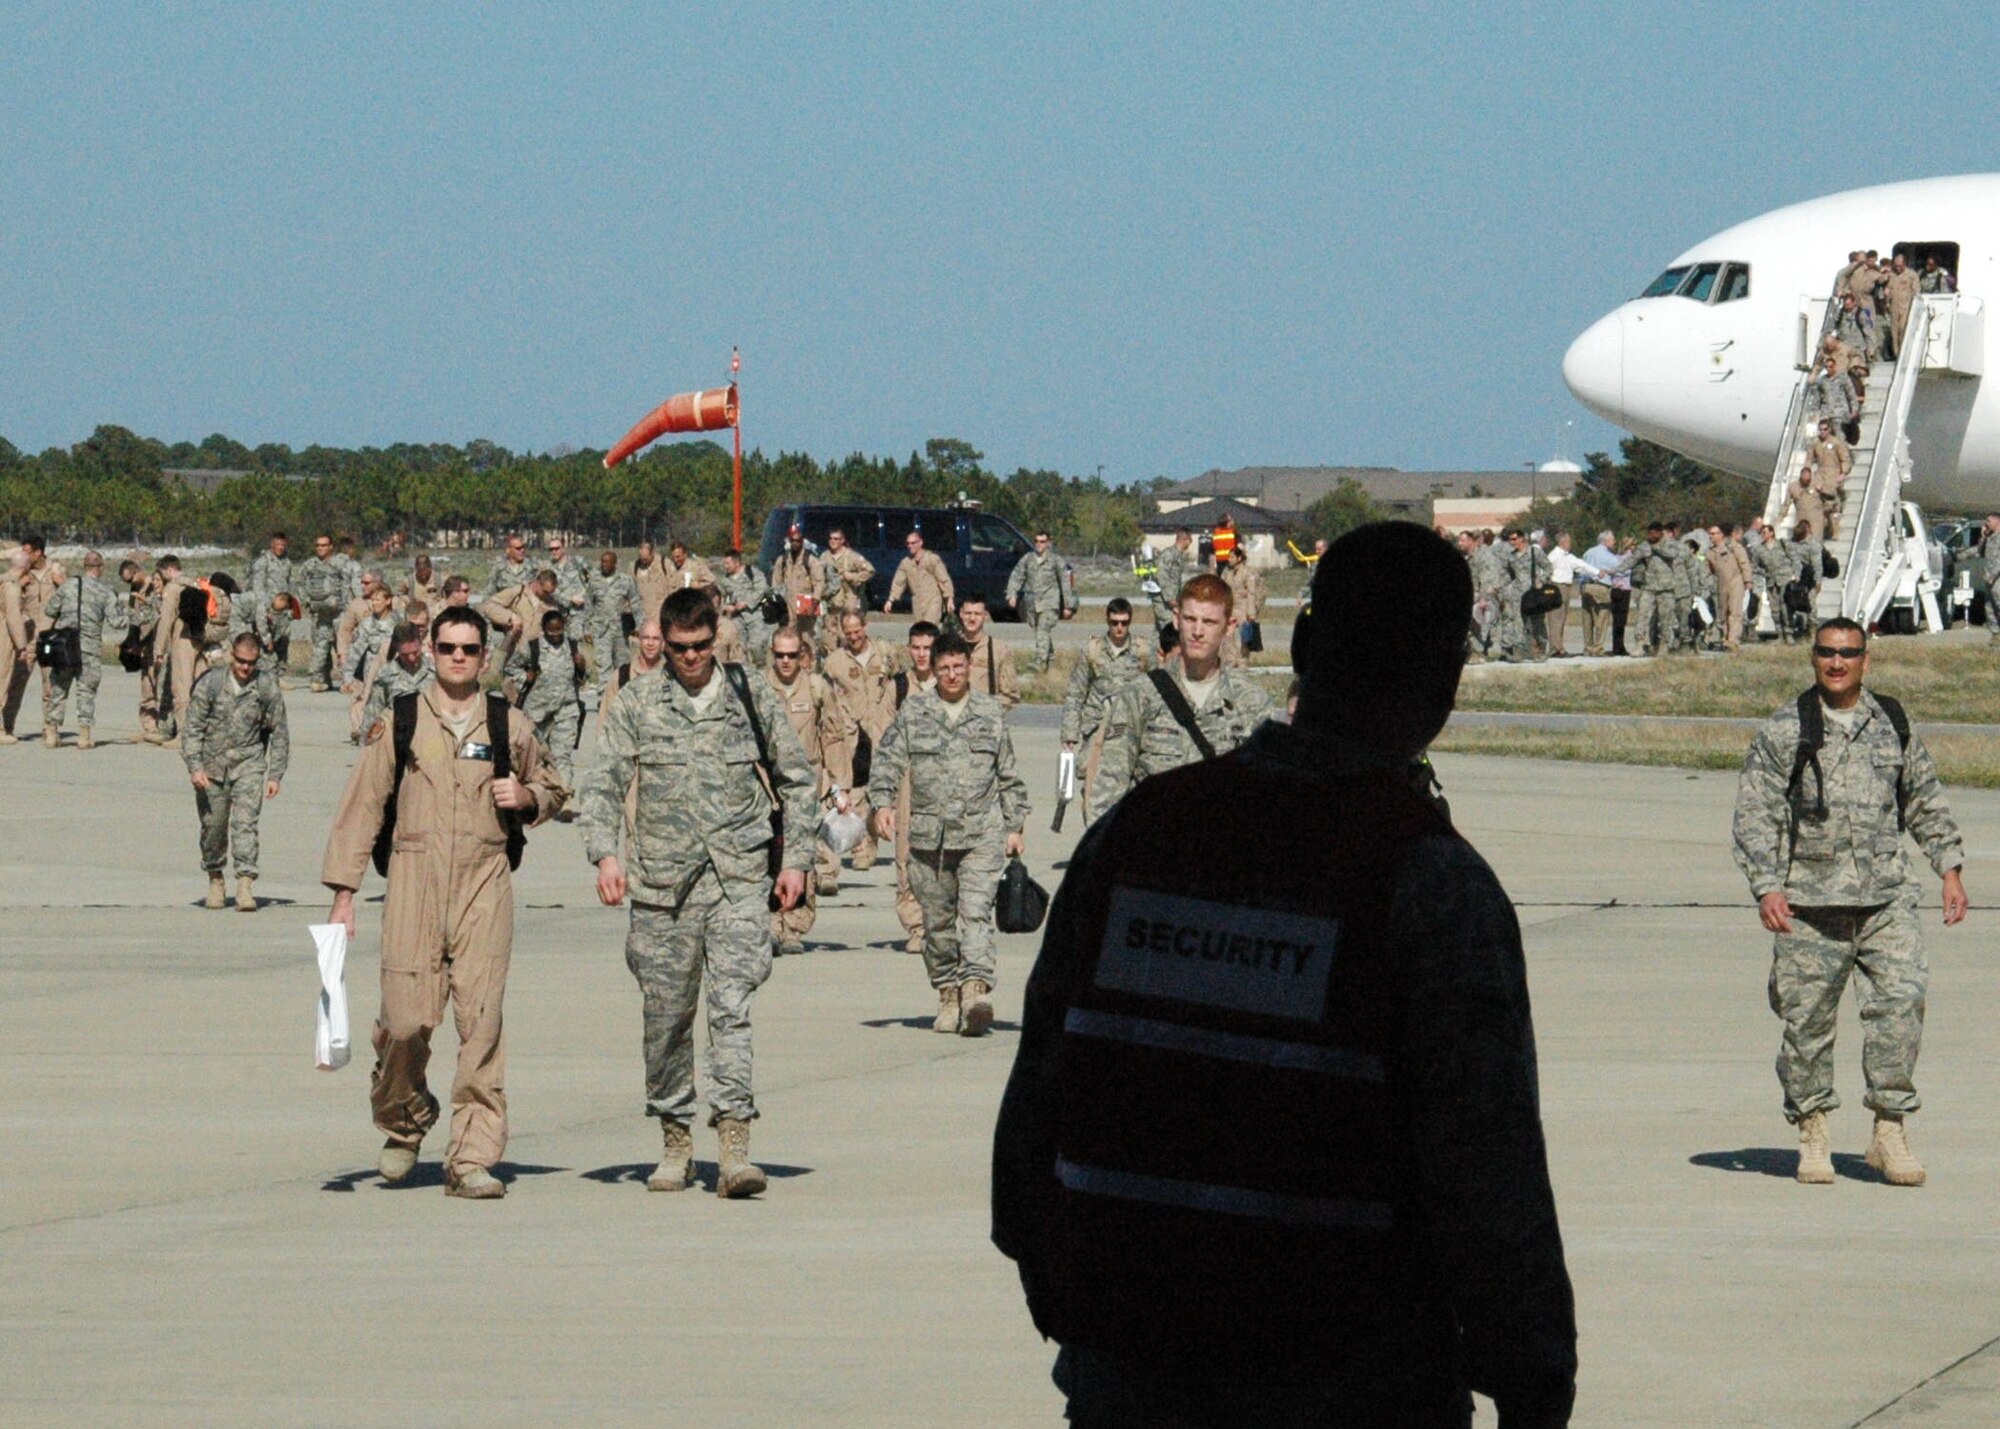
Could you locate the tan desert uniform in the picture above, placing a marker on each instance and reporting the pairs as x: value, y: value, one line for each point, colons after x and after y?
x: 729, y: 646
x: 850, y: 573
x: 993, y: 671
x: 518, y: 611
x: 179, y: 656
x: 826, y: 730
x: 1807, y: 503
x: 38, y: 588
x: 928, y: 583
x: 1731, y: 565
x: 1246, y: 589
x: 867, y: 691
x: 13, y: 641
x: 447, y: 921
x: 1901, y: 289
x: 795, y: 576
x: 909, y: 912
x: 691, y: 574
x: 429, y: 594
x: 654, y: 588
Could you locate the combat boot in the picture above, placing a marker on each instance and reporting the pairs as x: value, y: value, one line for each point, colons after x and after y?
x: 947, y: 1013
x: 676, y: 1166
x: 737, y: 1176
x: 791, y: 948
x: 1890, y: 1153
x: 396, y: 1162
x: 829, y: 884
x: 975, y: 1009
x: 1815, y: 1151
x: 478, y: 1184
x: 246, y: 897
x: 7, y: 736
x: 914, y: 943
x: 51, y: 735
x: 84, y: 739
x: 218, y: 896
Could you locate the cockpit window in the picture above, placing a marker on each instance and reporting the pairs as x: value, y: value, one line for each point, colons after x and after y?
x: 1700, y: 282
x: 1735, y: 283
x: 1665, y: 283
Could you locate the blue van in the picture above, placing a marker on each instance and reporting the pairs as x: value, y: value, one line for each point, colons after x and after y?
x: 979, y: 548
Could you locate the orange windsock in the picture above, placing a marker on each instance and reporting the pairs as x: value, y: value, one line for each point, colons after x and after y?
x: 708, y: 411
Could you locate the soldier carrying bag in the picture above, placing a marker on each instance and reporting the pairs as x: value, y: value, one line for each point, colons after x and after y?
x: 1022, y: 903
x: 1183, y: 712
x: 60, y: 648
x: 403, y: 728
x: 1812, y: 736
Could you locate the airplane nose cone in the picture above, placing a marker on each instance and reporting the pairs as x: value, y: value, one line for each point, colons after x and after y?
x: 1594, y: 368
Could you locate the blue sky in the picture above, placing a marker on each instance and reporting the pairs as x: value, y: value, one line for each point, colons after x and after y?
x: 1159, y: 237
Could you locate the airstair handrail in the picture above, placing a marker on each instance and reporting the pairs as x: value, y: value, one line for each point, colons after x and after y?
x: 1796, y: 433
x: 1888, y: 469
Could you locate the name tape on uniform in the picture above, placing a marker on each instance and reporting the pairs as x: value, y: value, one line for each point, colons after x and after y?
x: 1218, y: 954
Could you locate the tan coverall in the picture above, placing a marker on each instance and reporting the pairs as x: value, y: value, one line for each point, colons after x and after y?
x: 654, y: 587
x: 909, y: 912
x: 1731, y: 565
x: 38, y: 588
x: 866, y: 691
x: 993, y: 671
x: 928, y: 583
x: 447, y: 921
x: 14, y: 639
x: 176, y: 655
x: 825, y: 728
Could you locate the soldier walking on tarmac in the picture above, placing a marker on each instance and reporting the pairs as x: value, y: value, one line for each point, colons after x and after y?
x: 1045, y: 581
x: 709, y: 750
x: 1828, y: 788
x: 86, y: 604
x: 236, y: 746
x: 826, y: 732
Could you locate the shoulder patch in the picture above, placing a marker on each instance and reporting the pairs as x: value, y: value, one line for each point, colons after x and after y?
x: 376, y: 731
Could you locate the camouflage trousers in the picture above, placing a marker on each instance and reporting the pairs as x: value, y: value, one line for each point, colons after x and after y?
x: 1045, y: 623
x: 1811, y: 965
x: 1658, y: 613
x: 558, y: 730
x: 956, y: 889
x: 84, y: 681
x: 321, y: 671
x: 229, y: 807
x: 720, y: 932
x: 609, y: 645
x: 1510, y: 627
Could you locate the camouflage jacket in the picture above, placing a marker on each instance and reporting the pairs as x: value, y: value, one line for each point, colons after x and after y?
x: 1103, y: 670
x: 1141, y: 736
x: 1989, y: 559
x: 701, y: 799
x: 370, y: 643
x: 613, y: 596
x: 556, y: 671
x: 253, y: 615
x: 964, y: 789
x: 1047, y: 583
x: 349, y: 571
x: 745, y: 588
x: 87, y: 603
x: 1854, y: 856
x: 1771, y: 561
x: 391, y: 682
x: 271, y: 574
x: 505, y: 575
x: 322, y: 584
x: 1517, y: 570
x: 229, y: 725
x: 1171, y: 572
x: 572, y: 585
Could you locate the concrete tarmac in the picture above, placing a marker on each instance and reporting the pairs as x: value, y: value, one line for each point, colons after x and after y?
x: 193, y: 1231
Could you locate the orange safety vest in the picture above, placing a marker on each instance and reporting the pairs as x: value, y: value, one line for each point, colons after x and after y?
x: 1230, y: 1193
x: 1224, y: 542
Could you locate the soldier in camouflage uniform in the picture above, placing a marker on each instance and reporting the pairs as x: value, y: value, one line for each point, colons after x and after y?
x: 1516, y: 568
x: 322, y: 590
x: 701, y: 879
x: 1820, y: 839
x: 1048, y: 585
x: 366, y: 653
x: 545, y: 678
x: 1652, y: 566
x: 267, y: 617
x: 1989, y: 575
x: 407, y: 670
x: 236, y: 746
x: 1172, y: 568
x: 742, y: 590
x: 572, y: 580
x: 826, y: 732
x: 1773, y: 567
x: 1683, y: 563
x: 271, y: 574
x: 512, y: 570
x: 86, y: 604
x: 614, y: 601
x: 1142, y: 736
x: 968, y: 806
x: 1110, y: 663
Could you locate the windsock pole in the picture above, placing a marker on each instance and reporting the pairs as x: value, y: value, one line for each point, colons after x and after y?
x: 736, y: 467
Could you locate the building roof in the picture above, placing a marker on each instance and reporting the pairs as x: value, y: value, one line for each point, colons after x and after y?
x: 1293, y: 488
x: 1204, y: 515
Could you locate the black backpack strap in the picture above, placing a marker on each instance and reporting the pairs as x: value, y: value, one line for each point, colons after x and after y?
x: 402, y: 731
x: 1899, y: 720
x: 902, y: 684
x: 992, y: 669
x: 624, y: 674
x: 1812, y: 734
x: 1178, y: 706
x: 741, y: 685
x: 500, y: 736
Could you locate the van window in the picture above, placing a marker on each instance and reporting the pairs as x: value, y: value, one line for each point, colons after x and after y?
x: 939, y: 534
x: 860, y: 527
x: 990, y: 533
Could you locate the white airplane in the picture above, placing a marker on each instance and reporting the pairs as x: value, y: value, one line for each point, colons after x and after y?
x: 1706, y: 359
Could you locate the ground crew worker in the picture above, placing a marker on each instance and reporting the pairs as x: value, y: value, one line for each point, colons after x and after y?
x: 86, y: 605
x: 1193, y: 1045
x: 691, y: 743
x: 1246, y: 589
x: 1827, y: 789
x: 826, y: 733
x: 1048, y: 585
x: 1161, y: 721
x: 993, y: 671
x: 448, y: 916
x: 614, y: 612
x: 236, y: 746
x: 922, y: 574
x: 545, y: 677
x: 1110, y: 663
x: 862, y: 671
x: 801, y: 578
x: 407, y: 670
x: 848, y: 573
x: 968, y: 807
x: 741, y: 592
x: 1989, y: 575
x: 321, y: 591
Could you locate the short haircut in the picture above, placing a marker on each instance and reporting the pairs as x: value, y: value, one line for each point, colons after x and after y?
x: 549, y: 615
x: 245, y: 639
x: 35, y: 544
x: 168, y: 561
x: 856, y: 614
x: 460, y: 615
x: 404, y: 633
x: 972, y: 597
x: 1118, y: 605
x: 545, y: 575
x: 1842, y: 622
x: 736, y: 551
x: 418, y: 614
x: 1210, y: 590
x: 93, y: 560
x: 454, y: 584
x: 279, y: 536
x: 689, y: 609
x: 1510, y: 533
x: 1727, y: 528
x: 952, y: 644
x: 924, y: 630
x: 787, y: 632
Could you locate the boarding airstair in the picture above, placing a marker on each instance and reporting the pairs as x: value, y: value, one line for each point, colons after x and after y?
x: 1882, y: 552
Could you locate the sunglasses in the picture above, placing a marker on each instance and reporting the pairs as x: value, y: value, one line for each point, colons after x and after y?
x: 777, y: 654
x: 690, y: 647
x: 1117, y: 624
x: 446, y: 647
x: 1839, y: 652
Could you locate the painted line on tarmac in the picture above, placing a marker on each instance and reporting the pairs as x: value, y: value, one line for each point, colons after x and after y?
x: 1927, y: 1396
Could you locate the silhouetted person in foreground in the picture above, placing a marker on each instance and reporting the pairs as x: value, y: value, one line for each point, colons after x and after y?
x: 1271, y: 1152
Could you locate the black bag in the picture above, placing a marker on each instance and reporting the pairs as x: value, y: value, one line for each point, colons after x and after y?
x: 1022, y: 903
x: 194, y: 614
x: 1828, y: 566
x: 132, y: 651
x: 59, y: 649
x: 1799, y: 596
x: 775, y: 862
x: 772, y: 608
x: 1539, y: 599
x: 1251, y: 633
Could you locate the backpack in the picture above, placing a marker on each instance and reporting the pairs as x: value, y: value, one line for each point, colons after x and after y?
x: 194, y: 613
x: 1812, y: 737
x: 403, y: 727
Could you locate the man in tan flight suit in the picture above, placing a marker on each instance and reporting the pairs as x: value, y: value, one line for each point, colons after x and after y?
x: 1246, y: 586
x: 915, y: 679
x: 1901, y: 286
x: 863, y: 671
x: 800, y: 577
x: 650, y: 576
x: 177, y: 654
x: 826, y: 730
x: 17, y: 651
x: 448, y: 917
x: 993, y: 671
x: 518, y: 610
x: 686, y: 572
x: 1731, y: 564
x: 1830, y: 459
x: 849, y: 573
x: 922, y: 573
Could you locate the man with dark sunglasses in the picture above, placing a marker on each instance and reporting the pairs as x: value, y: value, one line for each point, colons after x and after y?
x: 1827, y: 790
x: 1110, y: 662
